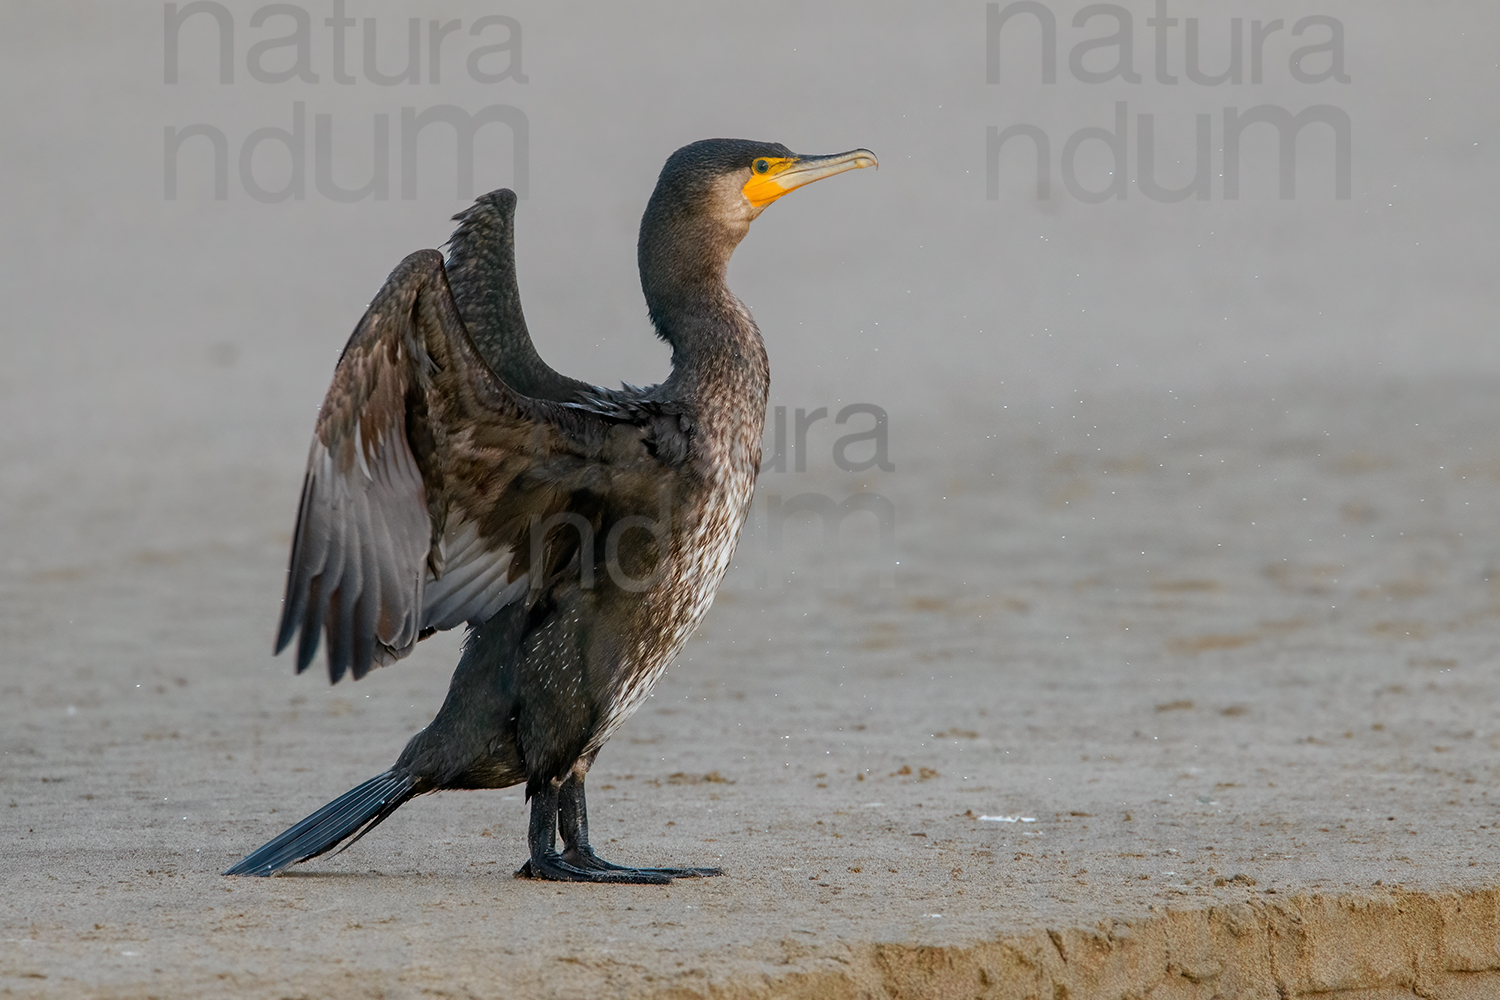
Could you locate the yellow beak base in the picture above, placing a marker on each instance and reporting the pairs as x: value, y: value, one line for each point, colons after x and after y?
x: 787, y: 174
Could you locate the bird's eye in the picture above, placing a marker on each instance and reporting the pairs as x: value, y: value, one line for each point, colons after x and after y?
x: 761, y: 166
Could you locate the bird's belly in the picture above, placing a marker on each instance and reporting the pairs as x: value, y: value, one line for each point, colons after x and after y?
x: 671, y: 609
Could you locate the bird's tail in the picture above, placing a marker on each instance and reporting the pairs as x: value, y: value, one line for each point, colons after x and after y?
x: 353, y: 814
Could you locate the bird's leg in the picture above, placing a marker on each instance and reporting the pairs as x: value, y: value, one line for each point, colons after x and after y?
x: 546, y: 863
x: 573, y: 821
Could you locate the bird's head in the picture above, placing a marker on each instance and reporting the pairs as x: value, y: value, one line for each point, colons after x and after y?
x: 706, y: 197
x: 733, y: 180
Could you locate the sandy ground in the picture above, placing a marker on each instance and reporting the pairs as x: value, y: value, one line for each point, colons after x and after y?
x: 1224, y: 667
x: 1195, y: 512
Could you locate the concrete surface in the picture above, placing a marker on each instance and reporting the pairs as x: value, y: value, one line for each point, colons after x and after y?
x: 1235, y: 657
x: 1195, y: 511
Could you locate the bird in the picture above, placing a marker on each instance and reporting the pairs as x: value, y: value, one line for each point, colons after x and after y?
x: 579, y: 533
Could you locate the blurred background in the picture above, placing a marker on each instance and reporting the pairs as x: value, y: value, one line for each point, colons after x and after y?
x: 181, y: 269
x: 1189, y: 498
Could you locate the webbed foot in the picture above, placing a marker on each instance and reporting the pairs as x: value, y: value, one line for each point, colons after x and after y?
x: 553, y: 868
x: 563, y: 805
x: 586, y: 858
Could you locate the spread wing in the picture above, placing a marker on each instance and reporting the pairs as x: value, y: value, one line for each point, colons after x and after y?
x: 425, y: 475
x: 482, y: 273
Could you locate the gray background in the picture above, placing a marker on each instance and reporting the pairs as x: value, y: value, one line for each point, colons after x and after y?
x: 1196, y: 510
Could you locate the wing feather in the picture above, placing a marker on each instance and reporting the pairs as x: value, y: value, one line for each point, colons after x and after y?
x: 421, y: 479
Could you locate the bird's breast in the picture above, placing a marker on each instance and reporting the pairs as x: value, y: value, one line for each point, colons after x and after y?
x: 705, y: 522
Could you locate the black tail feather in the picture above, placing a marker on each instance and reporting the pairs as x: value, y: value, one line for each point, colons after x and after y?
x: 351, y: 815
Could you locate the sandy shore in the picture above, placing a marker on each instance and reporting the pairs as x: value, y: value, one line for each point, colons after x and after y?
x: 1193, y: 696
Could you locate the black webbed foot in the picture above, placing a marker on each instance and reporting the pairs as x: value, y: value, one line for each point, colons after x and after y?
x: 586, y: 858
x: 563, y: 807
x: 553, y: 868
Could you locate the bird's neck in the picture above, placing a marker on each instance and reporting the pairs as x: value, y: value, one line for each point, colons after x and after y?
x: 717, y: 350
x: 721, y: 371
x: 718, y: 355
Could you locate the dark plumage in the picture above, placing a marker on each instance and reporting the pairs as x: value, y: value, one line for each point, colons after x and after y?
x: 580, y: 532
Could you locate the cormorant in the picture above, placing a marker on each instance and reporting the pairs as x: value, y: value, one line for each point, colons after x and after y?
x: 579, y: 532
